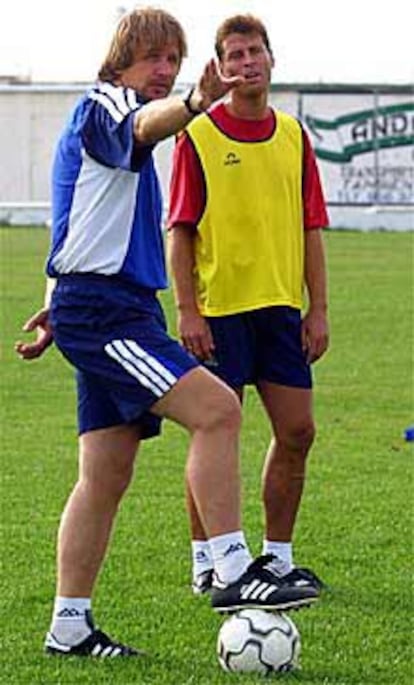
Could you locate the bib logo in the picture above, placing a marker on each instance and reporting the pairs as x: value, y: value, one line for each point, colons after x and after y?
x: 347, y: 136
x: 231, y: 159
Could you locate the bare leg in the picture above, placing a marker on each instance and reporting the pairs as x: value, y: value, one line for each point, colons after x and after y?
x: 211, y: 412
x: 290, y: 413
x: 105, y: 469
x: 196, y: 527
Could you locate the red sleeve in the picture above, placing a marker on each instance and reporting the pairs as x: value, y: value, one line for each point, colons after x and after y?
x: 314, y: 208
x: 187, y: 188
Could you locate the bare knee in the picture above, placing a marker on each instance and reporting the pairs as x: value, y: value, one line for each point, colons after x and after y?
x: 105, y: 474
x: 285, y: 464
x: 222, y: 415
x: 106, y: 462
x: 298, y: 438
x: 107, y: 486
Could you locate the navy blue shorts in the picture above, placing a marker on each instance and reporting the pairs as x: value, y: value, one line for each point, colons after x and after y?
x: 115, y: 336
x: 261, y: 345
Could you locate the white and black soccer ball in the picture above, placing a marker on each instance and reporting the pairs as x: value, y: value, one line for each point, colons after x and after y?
x: 256, y: 641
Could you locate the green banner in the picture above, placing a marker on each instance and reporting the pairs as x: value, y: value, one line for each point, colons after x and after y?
x: 357, y: 133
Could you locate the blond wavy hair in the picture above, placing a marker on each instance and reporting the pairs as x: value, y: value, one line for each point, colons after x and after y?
x: 145, y: 29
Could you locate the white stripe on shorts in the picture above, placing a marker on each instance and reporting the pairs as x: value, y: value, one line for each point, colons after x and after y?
x: 152, y: 361
x: 140, y: 364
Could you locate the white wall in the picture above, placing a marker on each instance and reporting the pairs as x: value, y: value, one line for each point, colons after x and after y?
x: 373, y: 188
x: 364, y: 143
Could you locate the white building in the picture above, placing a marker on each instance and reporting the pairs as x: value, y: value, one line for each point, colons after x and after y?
x: 363, y: 137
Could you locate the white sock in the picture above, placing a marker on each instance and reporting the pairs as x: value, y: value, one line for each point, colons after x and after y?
x: 69, y: 625
x: 202, y: 558
x: 283, y: 552
x: 231, y: 555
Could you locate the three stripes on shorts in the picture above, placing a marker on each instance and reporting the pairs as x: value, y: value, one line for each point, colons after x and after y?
x: 143, y: 366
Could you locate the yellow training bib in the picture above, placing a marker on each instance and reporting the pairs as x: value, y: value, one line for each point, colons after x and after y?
x: 249, y: 244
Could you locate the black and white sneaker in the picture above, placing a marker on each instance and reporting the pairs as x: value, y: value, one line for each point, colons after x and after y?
x: 297, y: 573
x: 262, y: 587
x: 306, y: 574
x: 203, y: 582
x: 97, y: 644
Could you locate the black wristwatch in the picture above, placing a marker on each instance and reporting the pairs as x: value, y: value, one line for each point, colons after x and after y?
x: 187, y: 102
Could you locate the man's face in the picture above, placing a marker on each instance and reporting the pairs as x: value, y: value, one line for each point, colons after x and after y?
x: 246, y: 55
x: 153, y: 72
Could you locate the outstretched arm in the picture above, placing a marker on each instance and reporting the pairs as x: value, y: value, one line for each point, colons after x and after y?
x: 39, y: 322
x: 161, y: 118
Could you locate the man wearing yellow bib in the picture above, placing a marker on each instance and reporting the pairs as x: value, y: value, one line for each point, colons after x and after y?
x: 246, y: 213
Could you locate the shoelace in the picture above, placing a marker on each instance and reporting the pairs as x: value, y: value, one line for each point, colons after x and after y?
x: 266, y: 563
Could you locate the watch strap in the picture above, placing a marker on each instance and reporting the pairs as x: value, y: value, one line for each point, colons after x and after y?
x: 187, y: 102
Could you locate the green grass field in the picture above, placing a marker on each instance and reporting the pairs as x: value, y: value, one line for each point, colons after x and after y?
x: 355, y: 525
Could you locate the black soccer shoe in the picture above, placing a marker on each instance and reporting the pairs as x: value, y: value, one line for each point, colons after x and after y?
x: 262, y: 587
x: 97, y: 644
x: 202, y: 583
x: 305, y: 574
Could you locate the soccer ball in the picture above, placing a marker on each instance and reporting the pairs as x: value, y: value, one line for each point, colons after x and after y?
x: 253, y: 640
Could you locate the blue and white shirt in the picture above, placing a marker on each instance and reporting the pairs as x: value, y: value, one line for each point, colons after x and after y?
x: 106, y: 198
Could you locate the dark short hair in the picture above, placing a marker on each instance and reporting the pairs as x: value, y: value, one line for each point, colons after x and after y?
x: 240, y: 23
x: 143, y: 28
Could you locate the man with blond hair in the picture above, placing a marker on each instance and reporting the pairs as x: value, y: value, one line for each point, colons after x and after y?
x: 106, y: 264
